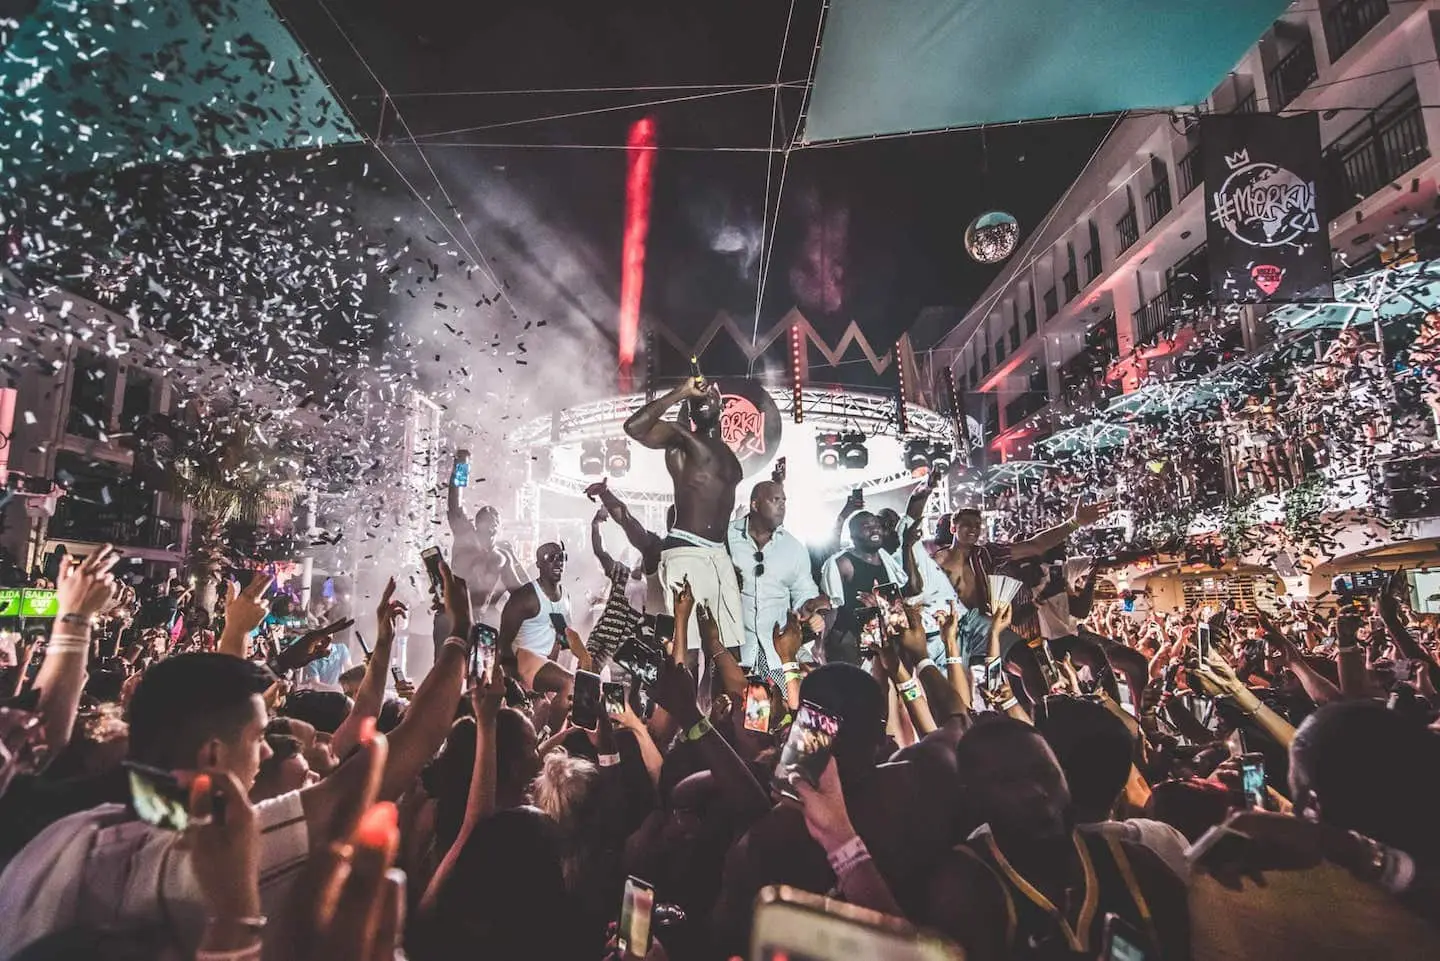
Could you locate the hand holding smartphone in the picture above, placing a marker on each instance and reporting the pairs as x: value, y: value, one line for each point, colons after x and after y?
x: 585, y: 709
x: 162, y: 799
x: 633, y: 934
x: 432, y: 558
x: 613, y: 696
x: 807, y: 750
x: 757, y: 705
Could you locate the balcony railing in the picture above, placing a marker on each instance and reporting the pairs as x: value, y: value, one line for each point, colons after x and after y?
x: 1348, y: 21
x: 1157, y: 201
x: 1023, y: 406
x: 1247, y: 104
x: 1188, y: 172
x: 1294, y: 72
x: 80, y: 521
x: 1071, y: 285
x: 1153, y: 317
x: 1127, y: 230
x: 1092, y: 264
x: 1377, y: 151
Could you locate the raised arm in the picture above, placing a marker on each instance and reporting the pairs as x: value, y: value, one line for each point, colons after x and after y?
x: 370, y: 697
x: 460, y: 525
x: 1081, y: 603
x: 597, y: 544
x: 640, y: 538
x: 244, y: 610
x: 82, y: 591
x: 1041, y: 543
x: 648, y: 427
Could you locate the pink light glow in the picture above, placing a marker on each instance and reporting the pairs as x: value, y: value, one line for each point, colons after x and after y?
x: 639, y: 185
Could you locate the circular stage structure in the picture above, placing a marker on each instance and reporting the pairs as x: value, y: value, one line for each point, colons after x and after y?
x: 846, y: 439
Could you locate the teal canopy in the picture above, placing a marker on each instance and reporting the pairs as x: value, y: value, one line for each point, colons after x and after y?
x: 1403, y: 293
x: 895, y: 66
x: 1091, y: 438
x: 87, y: 84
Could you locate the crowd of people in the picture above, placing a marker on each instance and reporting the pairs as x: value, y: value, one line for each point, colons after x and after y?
x: 1000, y: 760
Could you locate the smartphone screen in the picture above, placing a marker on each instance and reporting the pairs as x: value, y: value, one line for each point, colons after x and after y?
x: 633, y: 935
x: 431, y: 557
x: 641, y: 658
x: 558, y: 620
x: 1122, y: 941
x: 807, y: 750
x: 585, y: 711
x: 872, y: 634
x: 613, y: 693
x: 889, y: 592
x: 857, y: 494
x: 1252, y: 779
x: 757, y: 705
x: 994, y: 673
x: 664, y: 628
x: 158, y: 797
x: 461, y: 476
x: 1202, y: 640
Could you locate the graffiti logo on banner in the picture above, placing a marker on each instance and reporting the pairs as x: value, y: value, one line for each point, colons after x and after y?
x: 1265, y: 205
x: 742, y: 427
x: 1267, y: 277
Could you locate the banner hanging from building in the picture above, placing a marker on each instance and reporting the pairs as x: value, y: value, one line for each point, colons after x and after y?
x: 1265, y: 221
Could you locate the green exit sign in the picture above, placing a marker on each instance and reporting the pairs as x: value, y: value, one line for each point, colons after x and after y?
x: 9, y: 603
x: 39, y: 604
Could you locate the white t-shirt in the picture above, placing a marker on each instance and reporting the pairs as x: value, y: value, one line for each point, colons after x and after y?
x: 102, y: 868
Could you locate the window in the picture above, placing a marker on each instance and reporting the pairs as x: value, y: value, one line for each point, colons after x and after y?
x: 89, y: 392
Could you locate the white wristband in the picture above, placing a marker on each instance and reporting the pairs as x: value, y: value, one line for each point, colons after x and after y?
x: 790, y: 667
x: 844, y: 858
x: 923, y: 663
x: 608, y: 760
x: 955, y: 662
x: 458, y: 642
x: 1013, y: 702
x: 251, y: 953
x: 909, y: 685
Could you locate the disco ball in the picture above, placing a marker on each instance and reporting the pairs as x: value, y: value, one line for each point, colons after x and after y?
x: 992, y: 236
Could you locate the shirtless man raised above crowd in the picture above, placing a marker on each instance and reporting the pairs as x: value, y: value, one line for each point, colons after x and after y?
x: 489, y: 568
x: 705, y: 472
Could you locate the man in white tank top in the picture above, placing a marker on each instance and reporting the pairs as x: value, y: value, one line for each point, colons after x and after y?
x: 532, y: 631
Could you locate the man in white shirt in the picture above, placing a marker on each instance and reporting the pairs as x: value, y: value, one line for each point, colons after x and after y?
x: 775, y: 576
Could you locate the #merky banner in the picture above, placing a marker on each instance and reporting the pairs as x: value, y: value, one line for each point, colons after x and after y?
x: 1267, y: 237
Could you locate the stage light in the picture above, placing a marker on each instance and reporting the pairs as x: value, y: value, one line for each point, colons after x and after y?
x: 617, y: 456
x: 797, y: 376
x: 854, y: 455
x: 902, y: 414
x: 639, y: 186
x: 941, y: 457
x: 917, y: 454
x: 592, y: 458
x: 827, y: 450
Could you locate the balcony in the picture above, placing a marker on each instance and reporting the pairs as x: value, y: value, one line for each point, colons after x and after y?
x: 1188, y: 282
x: 1023, y: 406
x: 1092, y: 263
x: 1030, y: 322
x: 1188, y: 172
x: 1377, y: 150
x: 1015, y: 336
x: 1052, y: 303
x: 1294, y: 72
x: 1071, y: 285
x: 1151, y: 319
x: 1127, y: 231
x: 98, y: 524
x: 1157, y: 201
x: 1348, y: 21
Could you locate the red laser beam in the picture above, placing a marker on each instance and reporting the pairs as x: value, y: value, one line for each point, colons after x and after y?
x: 639, y: 184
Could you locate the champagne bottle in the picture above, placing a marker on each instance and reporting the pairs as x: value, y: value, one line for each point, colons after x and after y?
x: 695, y: 374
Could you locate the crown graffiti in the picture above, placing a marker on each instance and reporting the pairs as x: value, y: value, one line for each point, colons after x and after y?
x: 1236, y: 160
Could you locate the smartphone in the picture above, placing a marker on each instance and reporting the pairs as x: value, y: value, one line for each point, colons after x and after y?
x: 795, y: 925
x: 994, y: 674
x: 641, y: 658
x: 857, y: 495
x: 160, y: 799
x: 633, y: 934
x: 1202, y: 640
x: 558, y: 621
x: 585, y: 710
x: 757, y: 705
x: 612, y: 694
x: 664, y: 628
x: 1252, y: 779
x: 807, y: 750
x: 431, y: 557
x: 1235, y: 743
x: 872, y: 634
x: 889, y: 592
x: 461, y: 476
x: 1122, y: 941
x: 778, y: 474
x: 485, y: 637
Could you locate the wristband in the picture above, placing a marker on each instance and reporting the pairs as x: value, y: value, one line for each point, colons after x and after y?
x: 254, y: 924
x: 844, y: 858
x: 608, y: 760
x: 790, y: 667
x: 458, y: 642
x: 910, y: 685
x: 912, y: 694
x: 923, y: 663
x: 955, y: 662
x: 252, y: 953
x: 699, y: 729
x: 1013, y: 702
x: 81, y: 619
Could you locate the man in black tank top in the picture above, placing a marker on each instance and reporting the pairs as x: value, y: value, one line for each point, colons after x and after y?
x: 1026, y: 886
x: 851, y: 573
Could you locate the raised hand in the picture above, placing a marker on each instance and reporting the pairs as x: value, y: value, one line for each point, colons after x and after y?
x: 912, y: 639
x: 457, y: 601
x: 709, y: 628
x: 682, y: 599
x: 601, y: 516
x: 488, y: 695
x: 788, y: 639
x: 596, y: 489
x: 674, y: 690
x: 389, y: 614
x: 1002, y: 615
x: 224, y: 842
x: 86, y: 588
x: 244, y: 610
x: 948, y: 620
x: 826, y: 816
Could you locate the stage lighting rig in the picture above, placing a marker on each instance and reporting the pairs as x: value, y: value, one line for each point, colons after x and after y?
x: 941, y: 457
x: 617, y: 456
x: 827, y: 450
x: 592, y: 458
x: 854, y: 455
x: 917, y: 454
